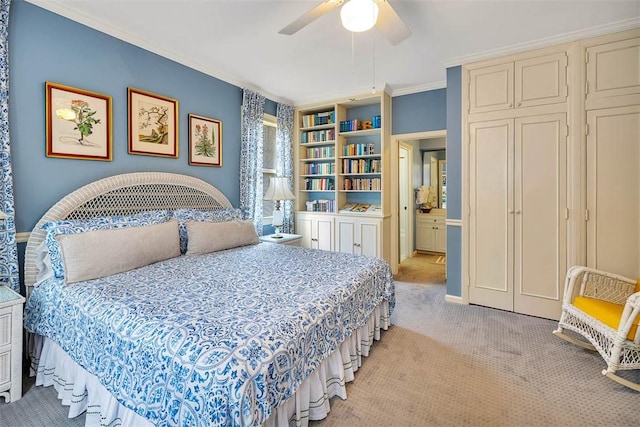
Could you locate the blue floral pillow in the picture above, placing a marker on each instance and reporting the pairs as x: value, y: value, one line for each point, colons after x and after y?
x: 215, y: 215
x: 72, y: 226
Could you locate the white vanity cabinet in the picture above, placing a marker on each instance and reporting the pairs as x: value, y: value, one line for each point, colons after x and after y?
x: 431, y: 232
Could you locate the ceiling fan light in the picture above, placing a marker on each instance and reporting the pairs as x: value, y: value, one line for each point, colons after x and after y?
x: 359, y: 15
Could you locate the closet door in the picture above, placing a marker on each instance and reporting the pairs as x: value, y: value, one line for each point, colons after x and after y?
x: 613, y: 190
x: 491, y: 164
x: 491, y: 88
x: 540, y: 214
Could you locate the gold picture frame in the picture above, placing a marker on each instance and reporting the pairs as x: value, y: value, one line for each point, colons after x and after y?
x: 153, y: 124
x: 205, y: 141
x: 78, y: 123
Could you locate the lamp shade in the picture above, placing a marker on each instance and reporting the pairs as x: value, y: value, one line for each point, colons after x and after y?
x: 278, y: 189
x: 359, y: 15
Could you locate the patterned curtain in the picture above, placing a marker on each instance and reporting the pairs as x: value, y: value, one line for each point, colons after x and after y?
x: 8, y: 248
x: 284, y: 159
x: 251, y: 141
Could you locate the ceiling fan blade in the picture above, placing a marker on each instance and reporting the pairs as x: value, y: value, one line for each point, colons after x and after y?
x: 390, y: 24
x: 310, y: 16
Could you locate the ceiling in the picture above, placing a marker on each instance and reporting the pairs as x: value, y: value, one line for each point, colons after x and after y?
x: 238, y: 41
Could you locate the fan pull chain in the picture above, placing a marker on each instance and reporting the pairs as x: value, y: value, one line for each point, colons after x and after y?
x: 373, y: 87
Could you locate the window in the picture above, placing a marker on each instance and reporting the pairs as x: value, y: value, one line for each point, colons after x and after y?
x: 268, y: 164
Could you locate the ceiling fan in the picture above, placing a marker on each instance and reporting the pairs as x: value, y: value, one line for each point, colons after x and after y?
x: 377, y: 12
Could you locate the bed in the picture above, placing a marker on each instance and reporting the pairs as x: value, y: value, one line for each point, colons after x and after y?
x: 235, y: 333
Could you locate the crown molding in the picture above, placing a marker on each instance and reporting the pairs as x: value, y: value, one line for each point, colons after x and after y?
x: 419, y: 88
x: 320, y: 99
x: 59, y: 7
x: 613, y: 27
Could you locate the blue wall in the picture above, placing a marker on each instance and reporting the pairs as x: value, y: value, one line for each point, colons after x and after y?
x: 419, y: 112
x: 436, y: 110
x: 454, y: 180
x: 47, y: 47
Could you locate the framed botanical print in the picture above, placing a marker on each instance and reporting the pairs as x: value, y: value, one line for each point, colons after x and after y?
x: 153, y: 124
x: 205, y: 141
x: 78, y: 123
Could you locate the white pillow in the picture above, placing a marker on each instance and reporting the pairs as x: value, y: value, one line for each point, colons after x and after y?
x: 205, y: 237
x: 100, y: 253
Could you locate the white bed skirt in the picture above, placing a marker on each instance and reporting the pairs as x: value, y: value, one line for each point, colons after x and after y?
x: 82, y: 391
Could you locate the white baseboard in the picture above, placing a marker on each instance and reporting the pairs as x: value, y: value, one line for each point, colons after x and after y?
x: 454, y: 299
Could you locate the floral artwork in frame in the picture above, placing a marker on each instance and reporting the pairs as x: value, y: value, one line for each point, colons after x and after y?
x: 78, y: 123
x: 205, y: 141
x: 153, y: 124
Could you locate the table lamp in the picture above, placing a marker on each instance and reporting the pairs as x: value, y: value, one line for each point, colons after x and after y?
x: 278, y: 190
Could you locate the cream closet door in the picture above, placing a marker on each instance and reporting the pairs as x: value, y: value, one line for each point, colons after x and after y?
x: 491, y: 164
x: 517, y: 227
x: 613, y: 190
x: 540, y: 214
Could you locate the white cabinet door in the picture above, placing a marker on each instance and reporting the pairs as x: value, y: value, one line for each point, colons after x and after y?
x: 613, y: 190
x: 518, y: 214
x: 346, y: 239
x: 613, y: 69
x: 491, y: 163
x: 541, y: 80
x: 491, y: 88
x: 358, y: 236
x: 440, y: 237
x: 540, y: 214
x: 316, y: 231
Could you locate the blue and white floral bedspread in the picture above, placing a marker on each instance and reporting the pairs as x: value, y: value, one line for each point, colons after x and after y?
x: 219, y: 339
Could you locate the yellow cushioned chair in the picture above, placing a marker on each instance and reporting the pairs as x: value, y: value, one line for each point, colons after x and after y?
x: 605, y: 309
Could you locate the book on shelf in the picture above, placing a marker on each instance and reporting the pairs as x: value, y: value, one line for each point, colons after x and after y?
x: 363, y: 149
x: 318, y: 119
x: 320, y: 205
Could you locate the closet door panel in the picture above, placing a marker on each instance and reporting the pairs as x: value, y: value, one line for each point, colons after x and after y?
x: 540, y: 209
x: 491, y: 217
x: 491, y: 88
x: 613, y: 193
x: 613, y: 69
x: 541, y: 80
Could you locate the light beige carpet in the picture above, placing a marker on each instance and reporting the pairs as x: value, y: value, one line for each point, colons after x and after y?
x: 444, y: 364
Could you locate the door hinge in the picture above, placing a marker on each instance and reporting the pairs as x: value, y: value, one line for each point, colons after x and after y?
x: 586, y: 56
x: 586, y: 129
x: 566, y: 213
x: 567, y: 130
x: 586, y: 214
x: 586, y: 87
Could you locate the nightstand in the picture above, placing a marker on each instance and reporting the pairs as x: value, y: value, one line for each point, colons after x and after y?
x: 10, y: 344
x: 287, y: 239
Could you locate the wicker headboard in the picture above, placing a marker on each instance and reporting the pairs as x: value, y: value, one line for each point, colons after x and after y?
x: 124, y: 194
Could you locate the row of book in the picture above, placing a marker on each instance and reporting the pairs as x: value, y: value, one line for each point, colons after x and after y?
x: 318, y: 119
x: 359, y: 149
x: 362, y: 184
x: 321, y: 205
x: 357, y: 124
x: 321, y: 152
x: 319, y: 168
x: 361, y: 166
x: 319, y: 184
x: 318, y: 136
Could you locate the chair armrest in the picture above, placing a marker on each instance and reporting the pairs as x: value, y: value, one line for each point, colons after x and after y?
x: 592, y: 283
x: 629, y: 315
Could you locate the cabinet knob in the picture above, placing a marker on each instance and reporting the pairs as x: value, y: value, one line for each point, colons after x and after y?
x: 510, y: 105
x: 518, y: 212
x: 511, y: 212
x: 519, y: 104
x: 314, y: 239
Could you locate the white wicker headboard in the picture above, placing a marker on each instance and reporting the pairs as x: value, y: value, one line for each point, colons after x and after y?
x: 124, y: 194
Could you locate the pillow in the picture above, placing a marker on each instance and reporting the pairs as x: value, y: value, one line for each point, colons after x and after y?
x: 100, y: 253
x: 215, y: 215
x: 71, y: 226
x: 205, y: 237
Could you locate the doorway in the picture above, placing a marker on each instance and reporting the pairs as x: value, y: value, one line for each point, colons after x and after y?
x: 407, y: 177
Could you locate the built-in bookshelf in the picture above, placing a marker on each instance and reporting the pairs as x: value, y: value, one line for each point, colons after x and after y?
x: 340, y: 147
x: 342, y: 183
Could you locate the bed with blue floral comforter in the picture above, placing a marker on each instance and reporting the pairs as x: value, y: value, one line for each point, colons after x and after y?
x: 219, y: 339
